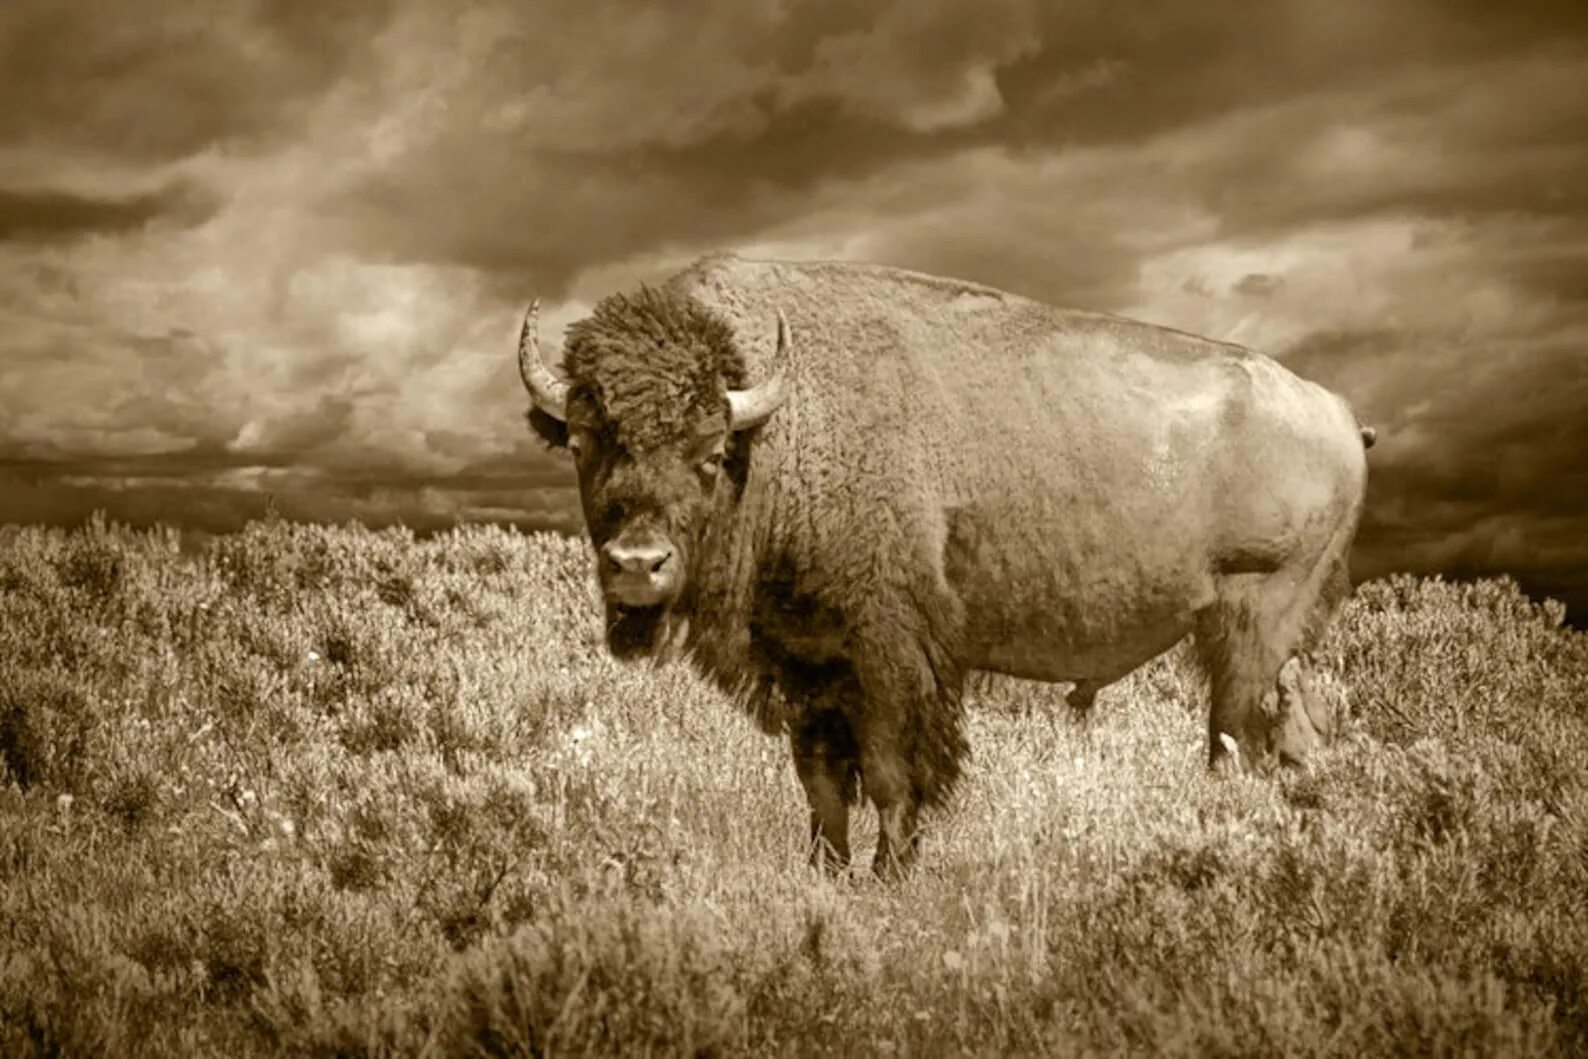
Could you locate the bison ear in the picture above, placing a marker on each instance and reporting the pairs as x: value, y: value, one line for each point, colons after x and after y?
x: 553, y: 431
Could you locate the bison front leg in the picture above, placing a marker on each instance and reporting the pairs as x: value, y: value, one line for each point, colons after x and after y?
x: 911, y: 746
x: 898, y: 806
x: 827, y: 760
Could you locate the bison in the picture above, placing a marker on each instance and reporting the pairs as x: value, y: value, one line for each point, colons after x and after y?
x: 838, y: 488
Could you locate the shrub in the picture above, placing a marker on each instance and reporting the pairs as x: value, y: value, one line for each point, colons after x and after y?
x: 319, y: 790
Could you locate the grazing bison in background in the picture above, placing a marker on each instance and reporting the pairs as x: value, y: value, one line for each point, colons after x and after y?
x: 921, y: 477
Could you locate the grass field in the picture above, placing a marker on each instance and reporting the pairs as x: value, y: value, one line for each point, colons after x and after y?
x: 326, y: 791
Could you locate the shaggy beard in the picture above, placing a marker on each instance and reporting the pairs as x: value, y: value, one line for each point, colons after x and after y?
x: 655, y: 632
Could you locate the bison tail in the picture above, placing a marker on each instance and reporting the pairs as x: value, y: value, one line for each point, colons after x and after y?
x: 1369, y: 435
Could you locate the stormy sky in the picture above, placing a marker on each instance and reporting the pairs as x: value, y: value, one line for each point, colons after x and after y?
x: 276, y: 252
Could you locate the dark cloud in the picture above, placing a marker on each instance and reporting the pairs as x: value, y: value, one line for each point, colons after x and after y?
x: 1062, y: 259
x: 277, y: 250
x: 1107, y: 75
x: 1481, y: 466
x: 1258, y: 284
x: 42, y: 216
x: 1454, y: 143
x: 671, y: 129
x: 224, y: 500
x: 161, y: 80
x: 718, y: 134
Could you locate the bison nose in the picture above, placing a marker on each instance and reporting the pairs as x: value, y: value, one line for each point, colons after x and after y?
x: 641, y: 573
x: 638, y: 560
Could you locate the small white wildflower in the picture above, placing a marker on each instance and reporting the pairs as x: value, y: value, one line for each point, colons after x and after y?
x: 1230, y: 745
x: 64, y: 802
x: 314, y: 656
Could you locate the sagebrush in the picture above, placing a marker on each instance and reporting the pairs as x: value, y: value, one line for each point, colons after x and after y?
x: 329, y: 791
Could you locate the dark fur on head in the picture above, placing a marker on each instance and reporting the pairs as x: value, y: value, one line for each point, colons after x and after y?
x: 653, y: 362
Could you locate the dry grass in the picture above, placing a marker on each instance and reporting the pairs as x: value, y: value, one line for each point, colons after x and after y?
x: 324, y: 791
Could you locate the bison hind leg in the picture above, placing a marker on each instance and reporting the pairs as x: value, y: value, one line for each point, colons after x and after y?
x: 912, y: 740
x: 1305, y: 717
x: 1249, y: 641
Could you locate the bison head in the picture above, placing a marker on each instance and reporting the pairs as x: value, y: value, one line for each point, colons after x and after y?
x: 650, y: 410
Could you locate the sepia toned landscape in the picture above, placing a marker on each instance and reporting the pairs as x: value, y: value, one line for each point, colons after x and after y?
x: 800, y: 528
x: 325, y: 791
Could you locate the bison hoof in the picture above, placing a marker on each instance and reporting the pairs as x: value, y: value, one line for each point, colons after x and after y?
x: 828, y: 861
x: 892, y: 864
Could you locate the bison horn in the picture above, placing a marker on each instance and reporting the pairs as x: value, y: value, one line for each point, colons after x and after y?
x: 549, y: 392
x: 752, y: 407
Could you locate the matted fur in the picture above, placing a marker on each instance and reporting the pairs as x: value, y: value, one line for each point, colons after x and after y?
x: 652, y: 359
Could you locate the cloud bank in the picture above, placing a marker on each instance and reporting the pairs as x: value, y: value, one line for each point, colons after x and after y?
x: 274, y: 253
